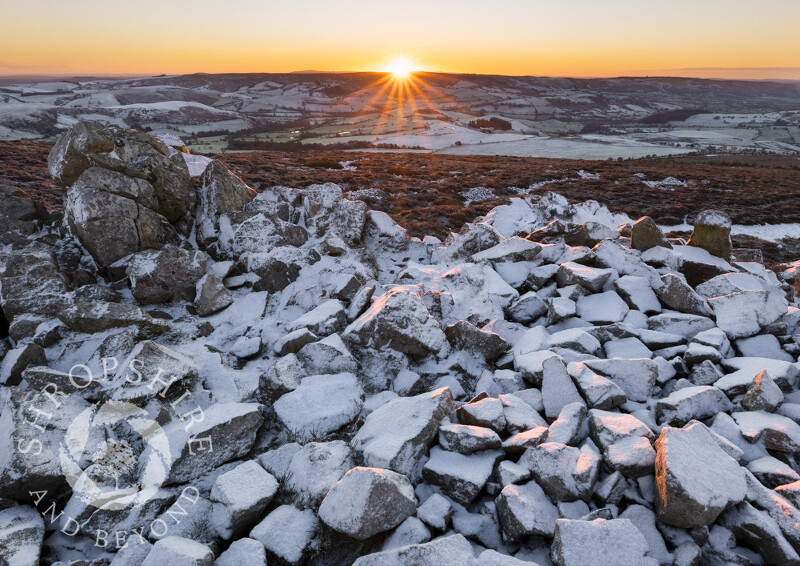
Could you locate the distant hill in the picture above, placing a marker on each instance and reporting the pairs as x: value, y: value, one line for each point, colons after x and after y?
x: 451, y: 113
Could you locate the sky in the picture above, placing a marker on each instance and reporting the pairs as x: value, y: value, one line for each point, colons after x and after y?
x: 582, y: 38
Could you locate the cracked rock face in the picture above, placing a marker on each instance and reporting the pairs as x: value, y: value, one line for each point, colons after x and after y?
x: 220, y: 376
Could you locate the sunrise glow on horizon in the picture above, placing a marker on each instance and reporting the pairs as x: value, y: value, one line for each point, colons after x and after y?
x: 582, y: 38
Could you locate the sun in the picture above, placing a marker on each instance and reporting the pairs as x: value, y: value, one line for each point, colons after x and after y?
x: 400, y: 68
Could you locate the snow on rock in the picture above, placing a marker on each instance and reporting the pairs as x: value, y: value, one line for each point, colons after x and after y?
x: 760, y: 532
x: 436, y: 511
x: 696, y: 479
x: 564, y: 472
x: 400, y: 321
x: 320, y: 405
x: 453, y: 550
x: 316, y: 467
x: 558, y: 391
x: 287, y: 533
x: 21, y: 535
x: 368, y: 501
x: 636, y: 377
x: 239, y: 496
x: 779, y: 433
x: 244, y: 550
x: 409, y: 532
x: 228, y: 431
x: 593, y: 279
x: 599, y: 543
x: 211, y: 296
x: 483, y: 412
x: 525, y: 510
x: 460, y: 476
x: 398, y: 434
x: 602, y: 308
x: 173, y: 551
x: 699, y: 402
x: 763, y: 394
x: 712, y: 232
x: 676, y: 294
x: 636, y: 291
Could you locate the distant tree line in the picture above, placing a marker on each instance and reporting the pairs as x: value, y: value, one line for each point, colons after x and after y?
x: 264, y: 145
x: 492, y: 123
x: 666, y: 116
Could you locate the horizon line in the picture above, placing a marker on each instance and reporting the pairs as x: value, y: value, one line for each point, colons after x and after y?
x: 655, y: 73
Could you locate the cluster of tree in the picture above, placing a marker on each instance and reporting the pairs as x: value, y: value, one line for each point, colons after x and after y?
x: 671, y: 116
x: 265, y: 145
x: 492, y: 123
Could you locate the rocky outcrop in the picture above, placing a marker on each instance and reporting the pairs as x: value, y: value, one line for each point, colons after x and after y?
x: 712, y: 232
x: 296, y: 379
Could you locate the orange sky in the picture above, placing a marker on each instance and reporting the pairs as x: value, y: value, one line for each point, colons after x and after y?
x: 517, y: 37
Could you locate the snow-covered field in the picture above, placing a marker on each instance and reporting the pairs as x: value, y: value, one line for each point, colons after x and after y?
x: 547, y: 117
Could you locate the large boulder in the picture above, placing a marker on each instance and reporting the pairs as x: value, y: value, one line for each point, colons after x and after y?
x: 239, y: 496
x: 21, y: 535
x: 327, y: 212
x: 695, y: 479
x: 745, y: 313
x: 74, y: 150
x: 167, y: 275
x: 135, y: 154
x: 397, y: 320
x: 453, y: 550
x: 320, y: 405
x: 287, y: 533
x: 18, y: 214
x: 398, y: 434
x: 525, y: 510
x: 712, y: 232
x: 114, y: 215
x: 220, y: 192
x: 368, y: 501
x: 32, y: 427
x: 646, y: 234
x: 30, y: 283
x: 599, y: 543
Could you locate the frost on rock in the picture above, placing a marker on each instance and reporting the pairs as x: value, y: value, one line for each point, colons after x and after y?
x: 367, y: 501
x: 599, y: 543
x: 397, y: 320
x: 320, y: 405
x: 287, y: 533
x: 178, y: 550
x: 239, y: 496
x: 696, y: 479
x: 21, y: 535
x: 398, y: 434
x: 453, y: 550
